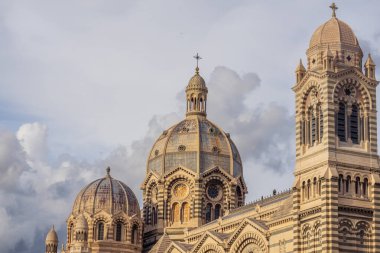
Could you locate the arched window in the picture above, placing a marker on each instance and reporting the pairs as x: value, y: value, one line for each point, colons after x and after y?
x: 154, y: 216
x: 341, y: 122
x: 134, y: 234
x: 320, y: 135
x: 354, y: 124
x: 239, y: 196
x: 147, y: 212
x: 208, y: 212
x: 348, y: 183
x: 100, y: 229
x: 314, y: 187
x: 340, y: 183
x: 365, y: 187
x: 357, y: 186
x: 176, y: 213
x: 217, y: 211
x: 119, y: 227
x: 303, y: 191
x: 185, y: 212
x: 308, y: 189
x: 311, y: 126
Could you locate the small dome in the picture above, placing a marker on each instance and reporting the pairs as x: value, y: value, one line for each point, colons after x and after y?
x: 334, y: 31
x: 81, y: 223
x: 107, y: 194
x: 195, y: 143
x: 51, y: 236
x: 196, y: 82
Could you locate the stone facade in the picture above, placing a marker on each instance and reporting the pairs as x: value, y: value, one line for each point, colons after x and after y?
x: 194, y: 189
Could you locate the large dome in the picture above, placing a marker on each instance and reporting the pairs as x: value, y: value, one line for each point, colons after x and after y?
x: 196, y: 144
x: 106, y: 194
x: 334, y: 31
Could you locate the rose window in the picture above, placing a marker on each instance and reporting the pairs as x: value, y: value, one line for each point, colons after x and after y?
x: 214, y: 192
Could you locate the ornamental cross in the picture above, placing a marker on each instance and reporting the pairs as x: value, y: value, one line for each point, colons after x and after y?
x: 334, y: 8
x: 197, y: 57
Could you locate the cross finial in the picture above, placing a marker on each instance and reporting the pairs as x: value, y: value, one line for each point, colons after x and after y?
x: 197, y: 57
x: 334, y: 8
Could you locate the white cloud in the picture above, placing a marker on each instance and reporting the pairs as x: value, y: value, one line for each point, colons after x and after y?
x: 32, y: 137
x: 95, y: 73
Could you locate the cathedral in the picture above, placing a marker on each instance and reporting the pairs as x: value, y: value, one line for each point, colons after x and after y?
x: 194, y: 188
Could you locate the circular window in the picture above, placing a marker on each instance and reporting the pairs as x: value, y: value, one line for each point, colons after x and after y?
x: 156, y: 152
x: 349, y: 91
x: 215, y: 149
x: 214, y: 192
x: 181, y: 148
x: 181, y: 191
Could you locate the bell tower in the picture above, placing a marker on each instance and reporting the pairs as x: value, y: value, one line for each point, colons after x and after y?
x: 337, y: 169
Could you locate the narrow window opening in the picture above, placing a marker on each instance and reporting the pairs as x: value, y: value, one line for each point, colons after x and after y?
x: 100, y: 231
x: 217, y: 211
x: 354, y: 124
x: 341, y: 124
x: 208, y: 212
x: 118, y: 231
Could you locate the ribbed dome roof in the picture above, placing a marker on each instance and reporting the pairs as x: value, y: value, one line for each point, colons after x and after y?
x: 106, y: 194
x: 334, y: 31
x: 51, y: 236
x: 194, y: 143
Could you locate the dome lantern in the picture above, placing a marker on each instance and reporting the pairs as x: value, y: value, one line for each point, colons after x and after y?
x: 196, y: 93
x: 51, y: 241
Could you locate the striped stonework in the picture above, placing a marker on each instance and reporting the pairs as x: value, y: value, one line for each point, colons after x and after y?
x: 297, y: 240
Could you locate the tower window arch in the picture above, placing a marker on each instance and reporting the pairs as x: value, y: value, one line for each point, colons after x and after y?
x: 350, y: 120
x: 340, y: 183
x: 354, y: 124
x: 311, y: 125
x: 348, y: 184
x: 357, y: 185
x: 365, y: 187
x: 303, y: 190
x: 341, y: 122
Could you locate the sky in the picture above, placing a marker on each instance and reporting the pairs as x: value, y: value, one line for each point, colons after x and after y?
x: 90, y: 84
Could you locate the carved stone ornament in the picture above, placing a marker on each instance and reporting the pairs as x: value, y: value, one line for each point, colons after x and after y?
x: 180, y: 191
